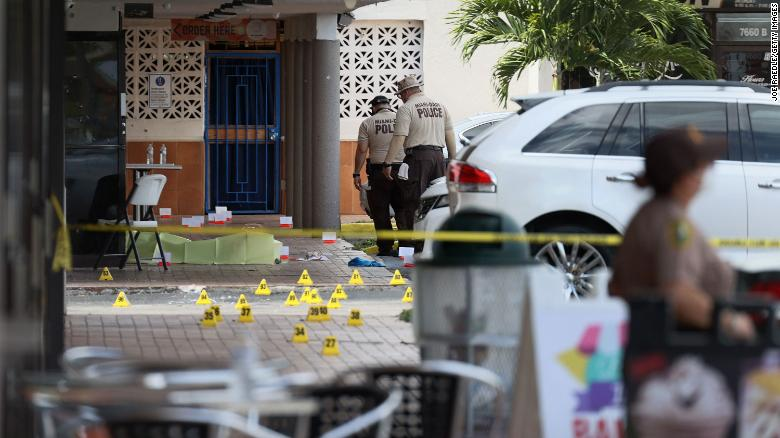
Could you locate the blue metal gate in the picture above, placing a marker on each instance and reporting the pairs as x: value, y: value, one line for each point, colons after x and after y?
x: 242, y: 132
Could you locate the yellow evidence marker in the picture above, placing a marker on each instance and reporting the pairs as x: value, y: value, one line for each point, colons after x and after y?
x: 121, y: 300
x: 408, y: 296
x: 356, y: 279
x: 315, y: 297
x: 217, y: 313
x: 305, y: 279
x: 306, y: 296
x: 397, y: 279
x: 355, y: 320
x: 242, y: 302
x: 333, y: 302
x: 318, y: 314
x: 105, y: 275
x: 292, y: 300
x: 299, y: 334
x: 340, y: 292
x: 263, y: 288
x: 204, y: 299
x: 330, y: 347
x: 208, y: 319
x: 246, y: 315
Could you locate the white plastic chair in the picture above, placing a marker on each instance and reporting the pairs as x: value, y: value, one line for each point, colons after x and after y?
x: 146, y: 194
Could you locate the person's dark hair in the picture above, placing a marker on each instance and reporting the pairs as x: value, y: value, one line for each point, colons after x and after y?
x: 673, y: 154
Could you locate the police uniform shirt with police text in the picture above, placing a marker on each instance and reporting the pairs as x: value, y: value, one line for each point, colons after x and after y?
x: 662, y: 247
x: 377, y: 130
x: 423, y: 122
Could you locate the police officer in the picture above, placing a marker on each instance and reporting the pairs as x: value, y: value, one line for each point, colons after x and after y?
x: 374, y: 138
x: 663, y: 254
x: 422, y: 128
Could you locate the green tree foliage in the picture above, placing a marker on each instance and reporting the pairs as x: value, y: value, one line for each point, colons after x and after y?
x: 614, y: 39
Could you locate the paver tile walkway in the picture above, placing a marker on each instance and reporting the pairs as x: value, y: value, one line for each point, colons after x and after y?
x: 382, y: 340
x: 329, y: 272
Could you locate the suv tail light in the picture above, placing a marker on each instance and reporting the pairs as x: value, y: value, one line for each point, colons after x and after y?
x: 464, y: 177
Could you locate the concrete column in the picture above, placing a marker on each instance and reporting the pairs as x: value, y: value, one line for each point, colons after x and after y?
x: 297, y: 102
x: 326, y: 141
x: 288, y: 105
x: 308, y: 134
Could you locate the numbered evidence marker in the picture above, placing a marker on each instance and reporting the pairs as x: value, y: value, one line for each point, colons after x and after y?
x: 333, y: 302
x: 330, y: 347
x: 299, y: 334
x: 263, y: 288
x: 209, y: 320
x: 242, y: 302
x: 305, y: 279
x: 246, y: 315
x: 121, y: 300
x: 315, y: 297
x: 318, y: 314
x: 203, y: 298
x: 340, y: 293
x: 217, y: 313
x: 397, y: 279
x: 292, y: 300
x: 408, y: 296
x: 355, y: 320
x: 356, y: 279
x: 306, y: 296
x: 105, y: 275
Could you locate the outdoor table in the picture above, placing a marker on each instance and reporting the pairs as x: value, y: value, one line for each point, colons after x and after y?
x: 141, y: 169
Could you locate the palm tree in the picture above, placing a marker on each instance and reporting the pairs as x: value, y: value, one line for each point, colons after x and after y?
x: 614, y: 39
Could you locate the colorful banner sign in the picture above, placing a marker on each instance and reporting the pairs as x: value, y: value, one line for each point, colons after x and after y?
x: 579, y: 367
x: 237, y: 30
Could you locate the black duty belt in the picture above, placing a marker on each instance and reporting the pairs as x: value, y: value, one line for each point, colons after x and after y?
x: 381, y: 167
x: 423, y: 147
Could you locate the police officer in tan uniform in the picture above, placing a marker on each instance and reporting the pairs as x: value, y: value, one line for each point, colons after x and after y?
x: 663, y: 254
x: 422, y: 128
x: 374, y: 138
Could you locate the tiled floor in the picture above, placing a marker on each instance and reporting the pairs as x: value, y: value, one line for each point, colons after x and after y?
x: 380, y: 341
x: 329, y: 272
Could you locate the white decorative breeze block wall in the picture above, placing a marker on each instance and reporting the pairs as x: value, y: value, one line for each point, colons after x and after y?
x: 152, y: 51
x: 374, y: 55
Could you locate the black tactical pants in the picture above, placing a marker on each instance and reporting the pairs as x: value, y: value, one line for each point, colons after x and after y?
x: 426, y: 163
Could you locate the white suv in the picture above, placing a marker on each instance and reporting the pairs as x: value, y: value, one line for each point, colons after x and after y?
x: 568, y: 165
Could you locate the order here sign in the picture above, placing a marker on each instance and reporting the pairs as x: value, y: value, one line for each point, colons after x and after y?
x: 243, y: 29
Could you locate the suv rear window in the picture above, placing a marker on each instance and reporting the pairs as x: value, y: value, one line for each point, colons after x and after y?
x: 579, y: 132
x: 708, y: 117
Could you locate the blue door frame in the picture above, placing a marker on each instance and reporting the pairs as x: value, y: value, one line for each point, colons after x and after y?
x: 243, y: 112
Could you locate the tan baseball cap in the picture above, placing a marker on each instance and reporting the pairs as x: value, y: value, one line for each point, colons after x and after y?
x: 406, y: 83
x: 675, y: 152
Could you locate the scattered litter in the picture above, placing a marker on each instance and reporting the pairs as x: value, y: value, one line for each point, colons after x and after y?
x: 313, y: 256
x: 363, y: 263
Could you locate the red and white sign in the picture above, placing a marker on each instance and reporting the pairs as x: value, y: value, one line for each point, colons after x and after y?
x: 286, y: 222
x: 284, y: 253
x: 240, y: 29
x: 165, y: 213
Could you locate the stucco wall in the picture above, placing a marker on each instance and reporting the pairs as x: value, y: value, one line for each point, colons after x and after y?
x: 465, y: 89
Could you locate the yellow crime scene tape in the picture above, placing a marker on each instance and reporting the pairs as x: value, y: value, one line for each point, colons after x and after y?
x: 445, y: 236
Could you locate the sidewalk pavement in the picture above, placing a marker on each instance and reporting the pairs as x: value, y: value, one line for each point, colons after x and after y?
x: 382, y: 340
x: 327, y: 273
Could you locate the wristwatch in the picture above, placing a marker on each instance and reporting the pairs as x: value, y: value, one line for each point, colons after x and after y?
x: 355, y: 175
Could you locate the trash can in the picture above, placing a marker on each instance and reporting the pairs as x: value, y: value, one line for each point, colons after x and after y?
x: 469, y: 297
x: 699, y: 384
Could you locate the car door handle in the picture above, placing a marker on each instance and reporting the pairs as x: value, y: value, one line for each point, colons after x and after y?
x: 770, y: 185
x: 623, y: 177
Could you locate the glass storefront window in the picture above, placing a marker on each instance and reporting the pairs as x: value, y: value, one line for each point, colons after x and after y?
x: 744, y: 64
x: 91, y: 97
